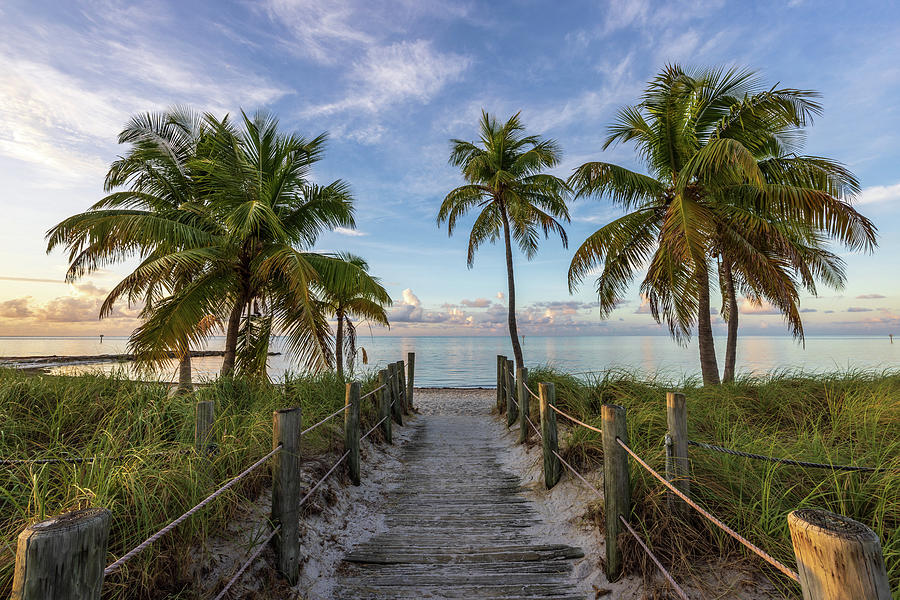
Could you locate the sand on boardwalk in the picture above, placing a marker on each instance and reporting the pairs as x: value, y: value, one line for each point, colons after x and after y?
x: 342, y: 515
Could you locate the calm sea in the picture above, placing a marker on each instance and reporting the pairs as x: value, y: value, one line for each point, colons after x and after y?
x: 470, y: 361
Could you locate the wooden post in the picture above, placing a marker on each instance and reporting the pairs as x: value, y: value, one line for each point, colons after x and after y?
x: 286, y: 490
x: 384, y: 406
x: 401, y: 386
x: 837, y: 558
x: 410, y: 378
x: 512, y: 412
x: 524, y: 404
x: 204, y: 417
x: 501, y: 365
x: 616, y: 483
x: 678, y: 466
x: 351, y: 431
x: 62, y: 557
x: 396, y: 409
x: 552, y: 466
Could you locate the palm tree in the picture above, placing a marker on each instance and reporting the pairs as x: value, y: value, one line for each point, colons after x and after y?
x: 724, y: 183
x: 259, y: 276
x: 360, y: 297
x: 148, y: 219
x: 514, y: 197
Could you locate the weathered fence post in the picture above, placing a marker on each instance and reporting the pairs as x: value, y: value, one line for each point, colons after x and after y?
x: 396, y: 409
x: 837, y: 558
x: 501, y: 365
x: 522, y: 381
x: 678, y: 466
x: 384, y: 406
x: 616, y: 483
x: 410, y: 378
x: 401, y: 386
x: 204, y: 418
x: 552, y: 466
x: 286, y: 490
x: 351, y: 430
x: 512, y: 400
x: 510, y: 384
x: 62, y: 557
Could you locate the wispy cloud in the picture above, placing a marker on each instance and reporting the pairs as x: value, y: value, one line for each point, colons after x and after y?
x: 880, y: 193
x: 348, y: 232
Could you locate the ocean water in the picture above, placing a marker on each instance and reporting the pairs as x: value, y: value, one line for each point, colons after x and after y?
x: 470, y: 361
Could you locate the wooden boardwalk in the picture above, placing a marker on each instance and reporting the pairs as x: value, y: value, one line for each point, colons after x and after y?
x: 457, y: 526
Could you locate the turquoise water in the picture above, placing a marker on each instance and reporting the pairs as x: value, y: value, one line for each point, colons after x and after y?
x: 470, y: 361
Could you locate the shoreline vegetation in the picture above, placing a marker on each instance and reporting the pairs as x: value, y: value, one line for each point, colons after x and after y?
x: 848, y: 417
x: 56, y: 360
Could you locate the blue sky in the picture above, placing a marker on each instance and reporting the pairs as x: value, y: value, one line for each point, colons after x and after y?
x: 392, y: 82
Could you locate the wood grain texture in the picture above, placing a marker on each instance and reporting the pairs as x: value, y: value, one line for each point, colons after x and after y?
x: 549, y: 439
x: 678, y: 466
x: 457, y: 526
x: 351, y: 431
x: 524, y: 404
x: 286, y: 490
x: 616, y: 483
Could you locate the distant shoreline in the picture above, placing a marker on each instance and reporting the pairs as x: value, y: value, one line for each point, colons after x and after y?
x: 54, y: 360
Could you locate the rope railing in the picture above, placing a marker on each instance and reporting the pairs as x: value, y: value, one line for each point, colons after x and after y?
x: 324, y: 477
x: 240, y: 572
x: 578, y: 475
x: 143, y: 545
x: 374, y: 427
x: 662, y: 569
x: 782, y: 461
x: 530, y: 391
x: 328, y: 418
x: 533, y: 426
x: 571, y: 418
x: 367, y: 394
x: 747, y: 543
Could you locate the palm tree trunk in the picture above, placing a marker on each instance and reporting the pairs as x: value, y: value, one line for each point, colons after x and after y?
x: 511, y: 284
x: 708, y: 366
x: 731, y: 343
x: 339, y: 344
x: 231, y: 335
x: 185, y: 386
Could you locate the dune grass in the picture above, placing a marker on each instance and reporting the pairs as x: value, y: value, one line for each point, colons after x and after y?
x: 153, y: 475
x: 839, y: 418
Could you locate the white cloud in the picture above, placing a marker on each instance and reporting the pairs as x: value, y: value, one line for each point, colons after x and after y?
x: 348, y: 232
x: 396, y: 73
x: 879, y: 193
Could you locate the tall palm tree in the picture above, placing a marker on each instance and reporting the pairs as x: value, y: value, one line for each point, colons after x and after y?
x: 516, y: 199
x: 259, y: 275
x: 147, y: 219
x: 359, y: 297
x: 724, y: 183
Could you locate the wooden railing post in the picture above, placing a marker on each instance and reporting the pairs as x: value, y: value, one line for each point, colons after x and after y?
x: 524, y: 397
x: 678, y: 466
x: 616, y: 483
x: 401, y: 386
x: 396, y: 409
x: 512, y: 400
x: 351, y: 431
x: 286, y: 490
x: 62, y: 557
x: 384, y: 406
x: 204, y: 418
x: 837, y: 558
x: 552, y: 466
x: 501, y: 366
x: 510, y: 374
x: 410, y: 378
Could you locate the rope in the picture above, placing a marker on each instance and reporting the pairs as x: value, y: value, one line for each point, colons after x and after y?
x: 374, y: 427
x: 783, y: 461
x: 758, y: 551
x: 577, y: 474
x: 49, y: 461
x: 571, y: 418
x: 249, y: 562
x: 534, y: 427
x: 324, y: 477
x: 530, y: 391
x: 366, y: 395
x: 658, y: 564
x: 143, y: 545
x: 331, y: 416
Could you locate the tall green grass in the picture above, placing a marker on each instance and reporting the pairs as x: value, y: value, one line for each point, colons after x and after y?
x: 155, y: 476
x: 839, y: 418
